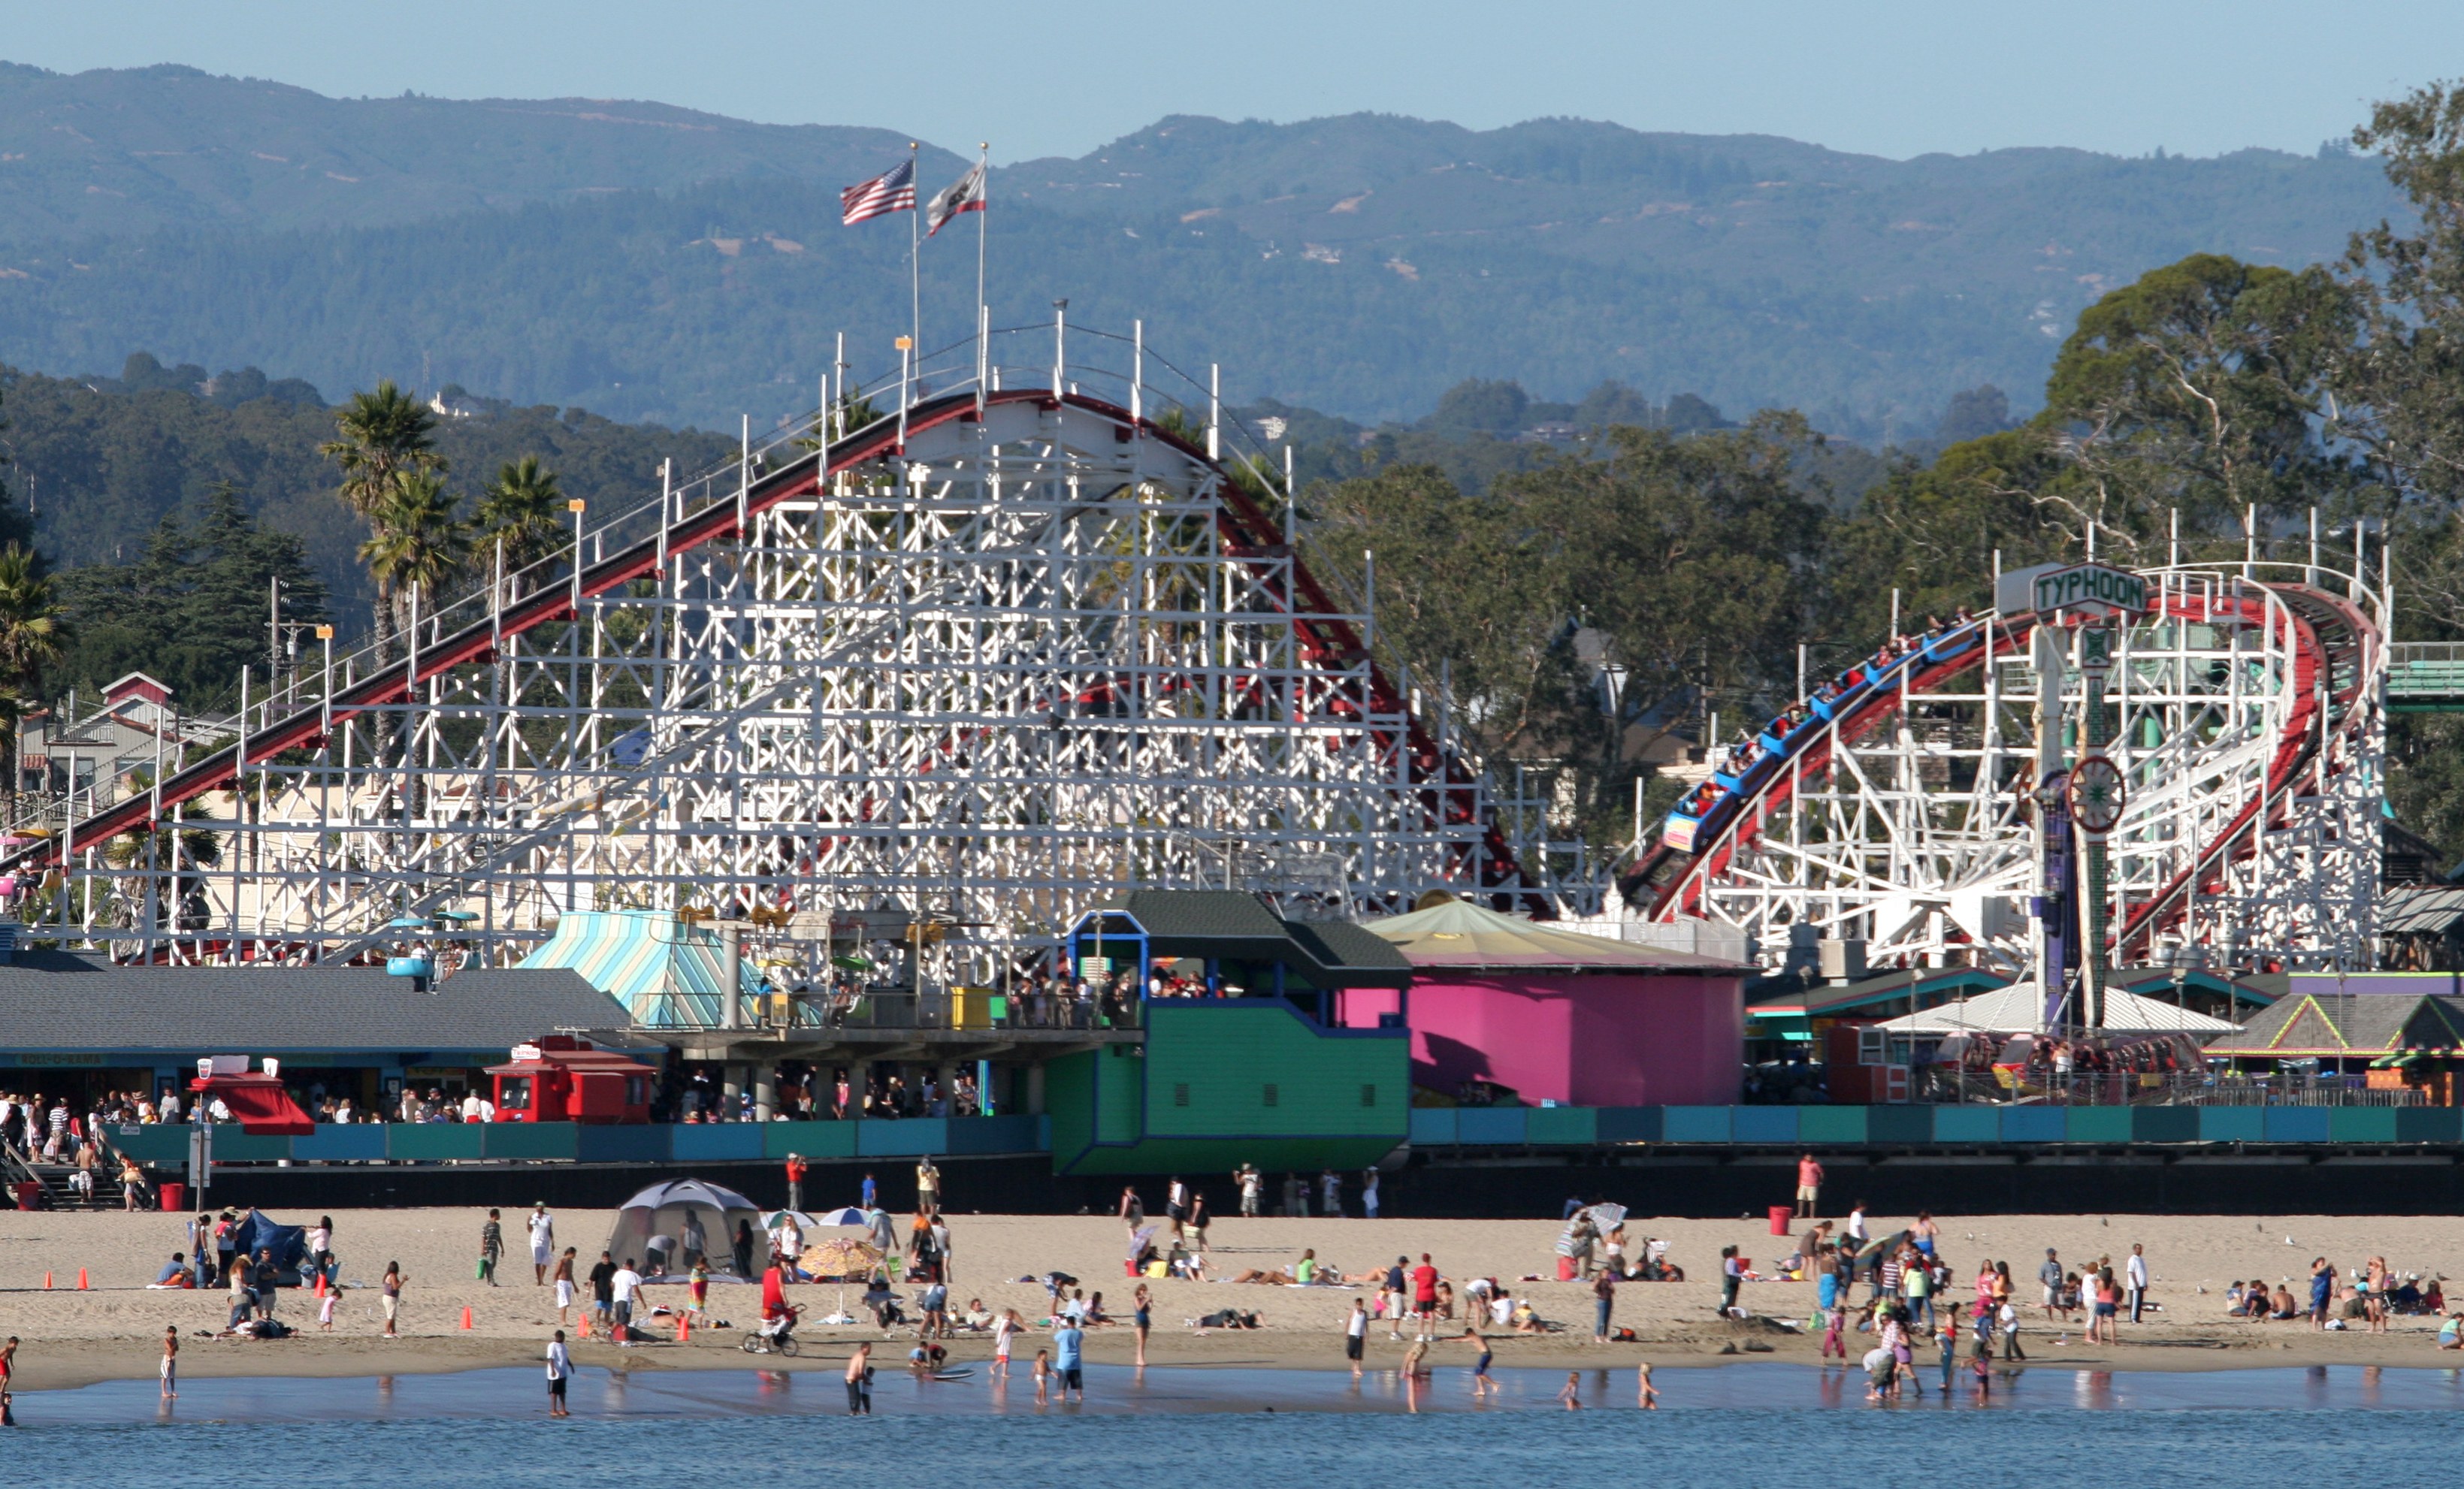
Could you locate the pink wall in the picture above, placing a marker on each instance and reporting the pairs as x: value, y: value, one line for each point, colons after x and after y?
x: 1591, y: 1039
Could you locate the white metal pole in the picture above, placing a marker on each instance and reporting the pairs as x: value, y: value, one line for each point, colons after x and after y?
x: 1138, y: 369
x: 915, y: 253
x: 1214, y: 410
x: 1060, y: 331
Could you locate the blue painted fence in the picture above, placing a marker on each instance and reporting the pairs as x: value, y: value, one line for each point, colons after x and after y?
x: 2000, y: 1126
x: 720, y: 1142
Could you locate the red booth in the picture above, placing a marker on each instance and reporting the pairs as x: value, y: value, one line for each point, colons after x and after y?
x: 564, y: 1079
x: 263, y: 1108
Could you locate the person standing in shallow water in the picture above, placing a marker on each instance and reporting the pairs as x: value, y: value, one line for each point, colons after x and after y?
x: 560, y: 1371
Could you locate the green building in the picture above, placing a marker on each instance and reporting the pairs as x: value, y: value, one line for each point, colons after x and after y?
x: 1249, y: 1056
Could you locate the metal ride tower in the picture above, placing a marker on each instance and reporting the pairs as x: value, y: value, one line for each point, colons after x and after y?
x: 946, y: 673
x: 2245, y: 713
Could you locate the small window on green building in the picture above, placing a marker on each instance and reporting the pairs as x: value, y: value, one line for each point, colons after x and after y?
x: 1181, y: 1095
x: 1271, y: 1094
x: 1368, y: 1094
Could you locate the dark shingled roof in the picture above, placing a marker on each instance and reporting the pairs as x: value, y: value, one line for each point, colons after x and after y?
x: 2363, y: 1023
x: 1232, y: 925
x: 60, y: 1000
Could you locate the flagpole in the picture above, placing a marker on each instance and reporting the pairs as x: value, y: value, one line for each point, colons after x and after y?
x: 914, y: 259
x: 983, y: 197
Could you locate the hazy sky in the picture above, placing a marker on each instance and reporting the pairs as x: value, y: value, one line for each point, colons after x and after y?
x: 1061, y: 78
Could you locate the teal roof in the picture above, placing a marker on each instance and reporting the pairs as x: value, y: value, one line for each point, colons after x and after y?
x: 665, y: 971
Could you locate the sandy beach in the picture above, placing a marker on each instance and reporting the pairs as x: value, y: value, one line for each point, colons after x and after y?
x: 112, y: 1329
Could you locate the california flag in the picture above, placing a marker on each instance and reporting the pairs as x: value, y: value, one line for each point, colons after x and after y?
x: 966, y: 194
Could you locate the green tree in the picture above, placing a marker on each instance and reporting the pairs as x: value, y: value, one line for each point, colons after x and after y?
x: 2198, y: 388
x: 523, y: 509
x: 385, y: 437
x: 416, y: 542
x: 31, y: 634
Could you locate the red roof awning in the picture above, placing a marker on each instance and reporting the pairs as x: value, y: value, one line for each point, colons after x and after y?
x: 263, y: 1108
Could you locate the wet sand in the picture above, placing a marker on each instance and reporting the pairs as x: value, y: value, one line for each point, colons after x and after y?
x: 113, y: 1330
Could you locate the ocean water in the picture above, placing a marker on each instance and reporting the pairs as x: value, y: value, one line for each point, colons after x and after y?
x: 1741, y: 1425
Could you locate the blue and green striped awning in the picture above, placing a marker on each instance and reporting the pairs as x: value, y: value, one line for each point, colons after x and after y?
x: 665, y: 971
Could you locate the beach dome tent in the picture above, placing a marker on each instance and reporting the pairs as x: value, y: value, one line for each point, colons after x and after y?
x: 285, y: 1246
x: 663, y: 1213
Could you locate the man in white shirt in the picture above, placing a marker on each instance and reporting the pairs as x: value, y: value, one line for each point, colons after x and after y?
x: 170, y: 1106
x: 470, y: 1107
x: 2135, y: 1270
x: 542, y: 1229
x: 560, y: 1369
x: 1856, y: 1223
x: 622, y: 1286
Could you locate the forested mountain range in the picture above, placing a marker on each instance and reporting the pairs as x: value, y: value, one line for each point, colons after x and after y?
x: 656, y: 263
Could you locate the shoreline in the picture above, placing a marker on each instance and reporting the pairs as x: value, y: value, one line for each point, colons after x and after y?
x: 68, y: 1363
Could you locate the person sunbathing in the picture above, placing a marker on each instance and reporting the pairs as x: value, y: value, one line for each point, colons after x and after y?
x: 1278, y: 1278
x: 1525, y: 1319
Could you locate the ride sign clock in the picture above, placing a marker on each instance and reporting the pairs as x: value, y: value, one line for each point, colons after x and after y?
x: 2095, y: 795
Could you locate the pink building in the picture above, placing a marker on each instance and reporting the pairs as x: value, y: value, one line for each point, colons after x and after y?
x: 1559, y: 1016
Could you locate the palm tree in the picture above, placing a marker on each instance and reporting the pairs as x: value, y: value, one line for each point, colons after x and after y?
x: 414, y: 539
x: 32, y: 636
x: 386, y: 436
x: 523, y: 509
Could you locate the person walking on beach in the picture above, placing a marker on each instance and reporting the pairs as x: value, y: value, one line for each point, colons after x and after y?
x: 1394, y: 1299
x: 927, y: 1186
x: 602, y: 1290
x: 859, y: 1381
x: 170, y: 1360
x: 1732, y: 1276
x: 1425, y: 1293
x: 2135, y: 1272
x: 563, y: 1285
x: 2322, y: 1291
x: 1369, y: 1192
x: 1809, y: 1186
x: 1603, y: 1302
x: 2049, y: 1277
x: 391, y: 1295
x: 1067, y: 1340
x: 1252, y: 1187
x: 871, y: 1192
x: 325, y: 1310
x: 543, y: 1231
x: 492, y: 1248
x: 1355, y: 1336
x: 1143, y: 1319
x: 623, y: 1284
x: 796, y: 1168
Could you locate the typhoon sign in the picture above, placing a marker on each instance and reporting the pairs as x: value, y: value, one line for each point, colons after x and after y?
x: 2071, y: 591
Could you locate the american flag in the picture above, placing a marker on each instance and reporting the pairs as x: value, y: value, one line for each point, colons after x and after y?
x: 891, y: 192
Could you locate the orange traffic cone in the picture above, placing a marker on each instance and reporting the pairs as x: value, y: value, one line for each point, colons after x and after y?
x: 684, y: 1327
x: 320, y: 1284
x: 81, y: 1287
x: 47, y: 1282
x: 466, y: 1317
x: 585, y: 1326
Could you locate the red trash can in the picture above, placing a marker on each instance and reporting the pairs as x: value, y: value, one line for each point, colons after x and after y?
x: 29, y: 1195
x: 1781, y: 1217
x: 174, y: 1196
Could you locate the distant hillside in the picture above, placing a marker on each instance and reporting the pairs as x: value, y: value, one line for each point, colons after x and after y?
x: 652, y: 263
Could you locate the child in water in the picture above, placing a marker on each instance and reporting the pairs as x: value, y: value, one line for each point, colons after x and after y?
x: 1572, y: 1394
x: 1043, y: 1377
x: 1646, y: 1394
